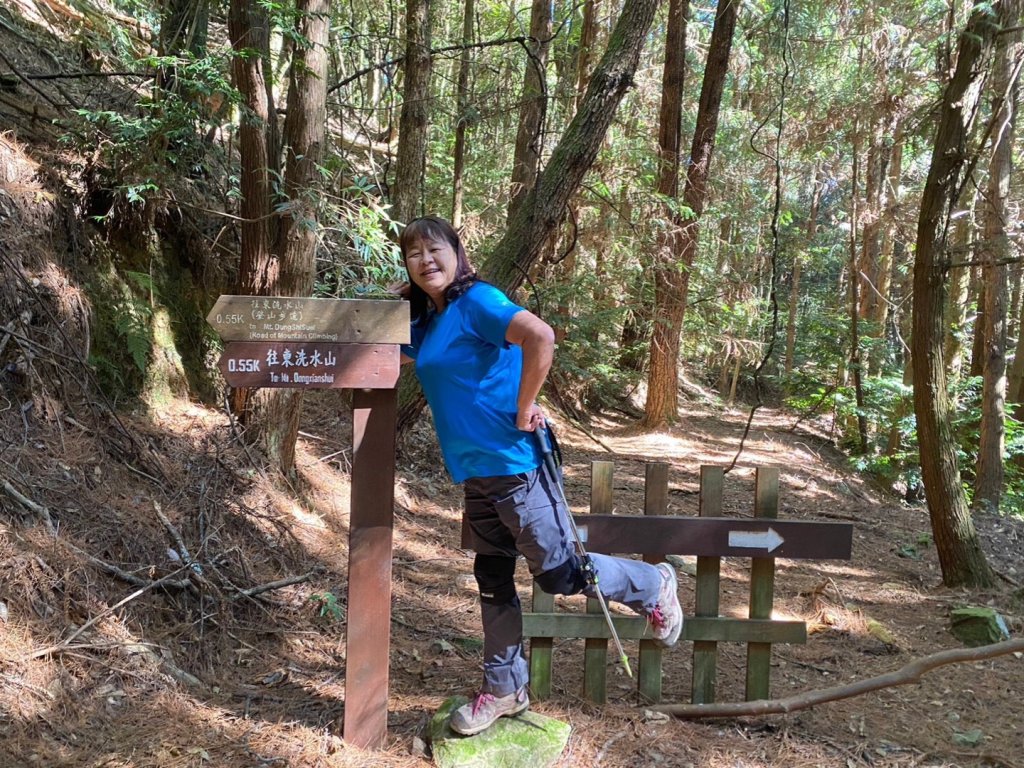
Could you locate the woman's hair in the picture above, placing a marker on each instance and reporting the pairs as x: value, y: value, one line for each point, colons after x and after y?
x: 437, y: 229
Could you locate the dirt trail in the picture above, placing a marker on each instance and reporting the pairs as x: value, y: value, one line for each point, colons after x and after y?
x: 268, y: 685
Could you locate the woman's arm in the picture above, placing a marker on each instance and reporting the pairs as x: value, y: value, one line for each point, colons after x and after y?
x: 538, y: 343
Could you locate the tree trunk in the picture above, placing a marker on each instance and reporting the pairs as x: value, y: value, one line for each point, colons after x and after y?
x: 297, y: 234
x: 461, y: 117
x: 588, y: 38
x: 278, y: 251
x: 880, y: 314
x: 249, y: 28
x: 959, y: 549
x: 672, y: 274
x: 532, y: 107
x: 988, y: 484
x: 412, y: 126
x: 959, y: 285
x: 977, y: 366
x: 794, y: 288
x: 1015, y: 389
x: 856, y: 367
x: 669, y: 299
x: 546, y: 203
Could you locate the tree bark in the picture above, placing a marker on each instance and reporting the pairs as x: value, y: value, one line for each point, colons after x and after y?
x: 959, y: 549
x: 412, y: 125
x: 669, y: 299
x: 532, y: 106
x: 258, y: 268
x: 672, y: 270
x: 588, y: 38
x: 461, y: 117
x: 856, y: 366
x: 278, y: 238
x: 988, y: 484
x: 959, y: 285
x: 794, y: 287
x: 507, y: 265
x: 297, y: 234
x: 545, y: 205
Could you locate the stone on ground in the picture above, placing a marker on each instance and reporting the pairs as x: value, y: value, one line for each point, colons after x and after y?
x: 529, y: 740
x: 978, y: 625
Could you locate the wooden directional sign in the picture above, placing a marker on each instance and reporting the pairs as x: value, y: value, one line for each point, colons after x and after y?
x: 284, y: 318
x: 716, y: 536
x: 310, y: 365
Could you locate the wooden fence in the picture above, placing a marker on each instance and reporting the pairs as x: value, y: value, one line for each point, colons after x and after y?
x: 710, y: 537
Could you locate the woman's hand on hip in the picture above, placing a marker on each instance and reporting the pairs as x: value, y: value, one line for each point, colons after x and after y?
x: 529, y: 419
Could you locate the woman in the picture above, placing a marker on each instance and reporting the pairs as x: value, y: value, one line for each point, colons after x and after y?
x: 481, y: 360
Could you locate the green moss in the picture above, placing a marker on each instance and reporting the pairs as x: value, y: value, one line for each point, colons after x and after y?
x: 150, y: 338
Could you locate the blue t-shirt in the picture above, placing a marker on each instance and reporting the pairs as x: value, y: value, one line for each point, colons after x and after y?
x: 470, y: 376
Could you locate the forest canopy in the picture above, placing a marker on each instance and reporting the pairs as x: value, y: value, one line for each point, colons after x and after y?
x: 733, y: 196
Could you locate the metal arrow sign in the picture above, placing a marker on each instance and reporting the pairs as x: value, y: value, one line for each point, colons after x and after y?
x: 768, y: 540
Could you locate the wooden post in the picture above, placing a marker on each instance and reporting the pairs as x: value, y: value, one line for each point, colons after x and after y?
x: 541, y: 647
x: 762, y: 587
x: 369, y: 573
x: 595, y: 652
x: 655, y: 503
x: 705, y: 652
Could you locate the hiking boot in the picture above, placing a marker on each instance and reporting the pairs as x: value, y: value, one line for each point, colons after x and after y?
x: 485, y: 708
x: 666, y: 619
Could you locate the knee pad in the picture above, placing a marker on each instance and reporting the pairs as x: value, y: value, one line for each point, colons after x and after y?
x: 495, y: 577
x: 565, y: 579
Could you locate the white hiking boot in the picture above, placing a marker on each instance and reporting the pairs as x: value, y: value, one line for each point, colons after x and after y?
x: 666, y: 619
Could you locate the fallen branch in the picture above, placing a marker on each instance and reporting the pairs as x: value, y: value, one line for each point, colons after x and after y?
x: 911, y: 673
x: 287, y: 582
x: 131, y: 578
x: 31, y: 506
x: 105, y: 612
x: 182, y: 552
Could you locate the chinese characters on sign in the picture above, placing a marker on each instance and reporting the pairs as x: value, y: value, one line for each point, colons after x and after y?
x: 281, y: 318
x: 310, y: 365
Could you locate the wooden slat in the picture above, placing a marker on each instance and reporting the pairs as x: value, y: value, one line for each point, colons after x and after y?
x: 320, y: 365
x: 711, y: 536
x: 369, y: 572
x: 595, y: 650
x: 540, y: 647
x: 718, y: 629
x: 705, y: 652
x: 295, y: 318
x: 655, y: 503
x: 762, y: 587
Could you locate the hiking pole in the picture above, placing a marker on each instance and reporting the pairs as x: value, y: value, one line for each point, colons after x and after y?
x: 545, y: 438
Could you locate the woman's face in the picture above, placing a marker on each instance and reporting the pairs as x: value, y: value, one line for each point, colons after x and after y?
x: 431, y: 265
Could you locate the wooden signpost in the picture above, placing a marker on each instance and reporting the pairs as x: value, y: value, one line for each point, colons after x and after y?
x: 305, y: 343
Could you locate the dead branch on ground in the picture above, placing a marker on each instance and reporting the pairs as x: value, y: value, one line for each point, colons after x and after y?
x: 38, y: 509
x: 911, y: 673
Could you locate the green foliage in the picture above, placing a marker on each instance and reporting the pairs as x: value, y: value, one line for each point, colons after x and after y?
x: 327, y: 606
x: 165, y: 130
x: 359, y: 256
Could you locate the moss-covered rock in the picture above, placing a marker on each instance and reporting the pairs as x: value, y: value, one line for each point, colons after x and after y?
x: 978, y: 625
x: 529, y: 740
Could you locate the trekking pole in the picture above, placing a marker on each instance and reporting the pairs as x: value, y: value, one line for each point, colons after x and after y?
x: 545, y: 438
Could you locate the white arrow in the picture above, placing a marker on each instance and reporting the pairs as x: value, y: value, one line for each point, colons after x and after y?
x: 768, y: 540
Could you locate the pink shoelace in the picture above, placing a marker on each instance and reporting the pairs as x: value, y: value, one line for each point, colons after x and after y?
x: 481, y: 699
x: 657, y: 618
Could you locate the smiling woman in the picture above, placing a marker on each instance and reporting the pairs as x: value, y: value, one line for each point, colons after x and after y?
x: 482, y: 360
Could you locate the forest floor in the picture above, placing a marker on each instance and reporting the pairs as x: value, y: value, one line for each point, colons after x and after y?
x: 101, y: 667
x: 198, y: 675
